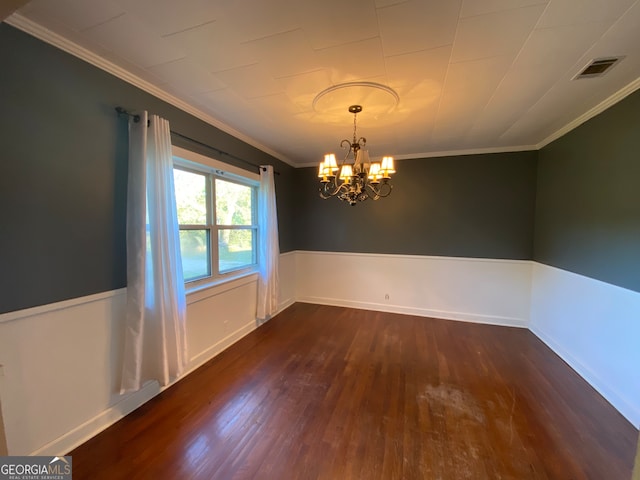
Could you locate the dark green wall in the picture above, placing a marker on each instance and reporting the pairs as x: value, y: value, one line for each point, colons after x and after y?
x: 63, y: 174
x: 64, y: 169
x: 588, y: 198
x: 464, y: 206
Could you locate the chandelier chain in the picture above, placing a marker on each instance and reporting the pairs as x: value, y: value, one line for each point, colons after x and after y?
x: 355, y: 116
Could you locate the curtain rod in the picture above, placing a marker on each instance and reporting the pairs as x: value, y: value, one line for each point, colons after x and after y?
x: 136, y: 118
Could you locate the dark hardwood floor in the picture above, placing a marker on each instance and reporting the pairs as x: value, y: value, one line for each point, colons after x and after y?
x: 334, y: 393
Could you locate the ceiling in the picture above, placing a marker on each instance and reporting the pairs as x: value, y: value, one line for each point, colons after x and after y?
x: 470, y: 75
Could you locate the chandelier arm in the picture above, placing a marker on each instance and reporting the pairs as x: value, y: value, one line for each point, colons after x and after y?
x: 326, y: 193
x: 324, y: 196
x: 381, y: 191
x: 374, y: 191
x: 386, y: 192
x: 335, y: 188
x: 348, y: 146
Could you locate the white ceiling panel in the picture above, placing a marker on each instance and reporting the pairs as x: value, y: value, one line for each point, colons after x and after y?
x: 277, y: 106
x: 478, y: 37
x: 476, y: 78
x: 471, y: 8
x: 622, y: 38
x: 557, y: 108
x: 569, y: 99
x: 186, y: 75
x: 548, y: 48
x: 354, y: 61
x: 387, y: 3
x: 417, y: 25
x: 126, y: 36
x: 553, y: 99
x: 75, y: 14
x: 250, y: 81
x: 412, y: 69
x: 285, y: 54
x: 302, y: 89
x: 214, y: 45
x: 469, y: 75
x: 516, y: 92
x: 329, y: 23
x: 226, y: 100
x: 253, y: 20
x: 571, y: 12
x: 163, y: 16
x: 468, y: 88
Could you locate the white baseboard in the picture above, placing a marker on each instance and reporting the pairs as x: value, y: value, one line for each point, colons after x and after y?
x: 421, y: 312
x: 76, y: 437
x: 594, y: 327
x: 626, y: 409
x: 490, y: 291
x: 284, y: 305
x: 132, y: 401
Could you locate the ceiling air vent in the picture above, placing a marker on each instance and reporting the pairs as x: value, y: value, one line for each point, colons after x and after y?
x: 598, y: 67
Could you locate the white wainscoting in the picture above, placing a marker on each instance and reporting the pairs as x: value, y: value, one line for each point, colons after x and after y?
x: 59, y: 368
x: 287, y: 280
x: 594, y: 327
x: 467, y: 289
x: 60, y: 363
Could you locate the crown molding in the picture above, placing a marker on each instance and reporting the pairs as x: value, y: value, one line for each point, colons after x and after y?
x: 469, y: 151
x: 450, y: 153
x: 589, y: 114
x: 42, y: 33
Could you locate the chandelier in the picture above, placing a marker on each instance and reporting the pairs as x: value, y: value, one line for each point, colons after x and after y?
x: 359, y: 180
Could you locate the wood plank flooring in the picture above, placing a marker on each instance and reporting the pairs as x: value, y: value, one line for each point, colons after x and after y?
x: 334, y: 393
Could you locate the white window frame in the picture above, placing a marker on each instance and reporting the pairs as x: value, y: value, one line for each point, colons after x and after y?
x: 194, y: 162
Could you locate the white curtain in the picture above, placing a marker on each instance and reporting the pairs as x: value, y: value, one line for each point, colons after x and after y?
x: 155, y: 337
x: 268, y: 247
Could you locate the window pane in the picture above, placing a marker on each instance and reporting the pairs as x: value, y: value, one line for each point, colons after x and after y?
x: 236, y: 249
x: 194, y: 247
x: 233, y: 203
x: 191, y: 197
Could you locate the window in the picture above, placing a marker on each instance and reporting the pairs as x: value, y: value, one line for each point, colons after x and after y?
x: 217, y: 213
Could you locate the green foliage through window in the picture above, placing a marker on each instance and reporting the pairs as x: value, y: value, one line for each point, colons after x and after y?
x: 198, y: 196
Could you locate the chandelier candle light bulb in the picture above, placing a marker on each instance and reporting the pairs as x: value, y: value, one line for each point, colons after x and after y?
x: 330, y: 162
x: 359, y: 180
x: 322, y: 172
x: 346, y: 173
x: 327, y: 168
x: 387, y: 167
x: 374, y: 173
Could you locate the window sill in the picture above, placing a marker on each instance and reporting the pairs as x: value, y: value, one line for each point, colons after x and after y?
x: 220, y: 285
